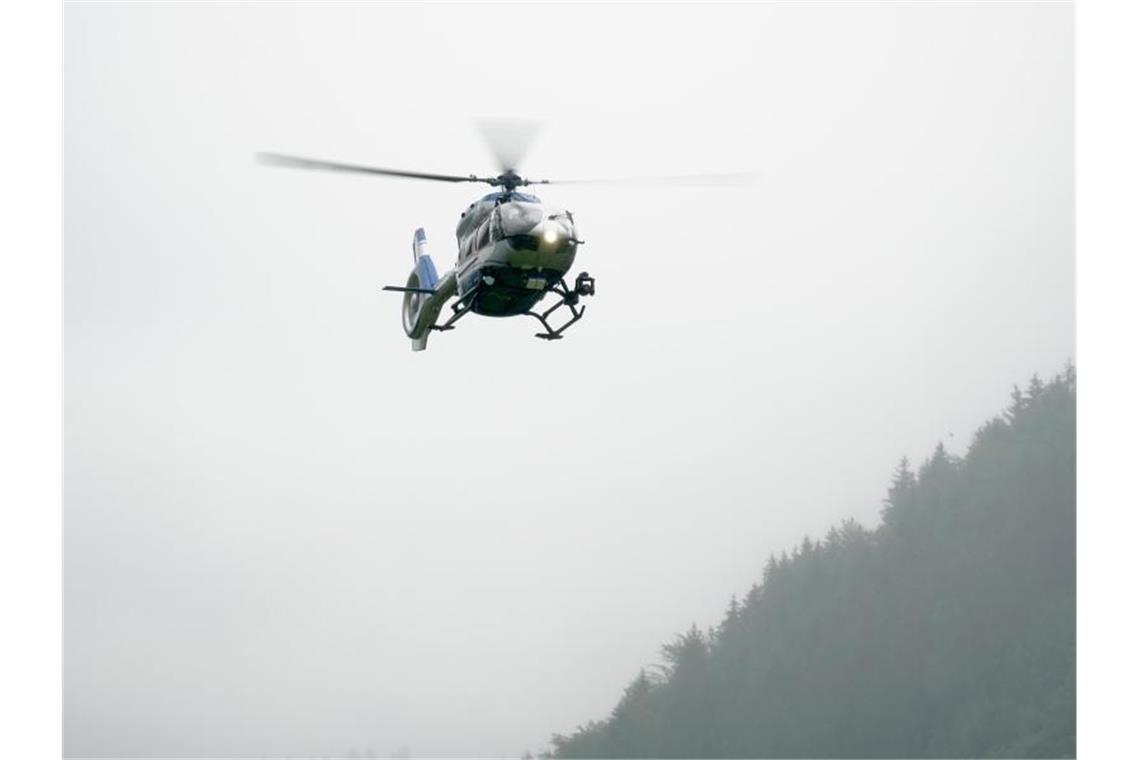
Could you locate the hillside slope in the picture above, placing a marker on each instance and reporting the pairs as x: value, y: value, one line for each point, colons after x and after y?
x: 947, y: 631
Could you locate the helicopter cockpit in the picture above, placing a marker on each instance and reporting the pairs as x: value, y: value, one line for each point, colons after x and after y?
x: 518, y: 218
x: 527, y: 225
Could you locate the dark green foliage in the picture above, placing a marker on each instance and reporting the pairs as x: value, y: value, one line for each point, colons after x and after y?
x: 949, y: 631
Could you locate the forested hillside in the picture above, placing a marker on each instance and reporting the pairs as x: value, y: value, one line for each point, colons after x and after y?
x: 947, y: 631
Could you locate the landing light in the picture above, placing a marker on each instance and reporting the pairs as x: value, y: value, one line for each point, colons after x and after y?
x: 550, y: 235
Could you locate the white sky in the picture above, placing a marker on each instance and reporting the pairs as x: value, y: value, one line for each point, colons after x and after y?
x: 287, y: 534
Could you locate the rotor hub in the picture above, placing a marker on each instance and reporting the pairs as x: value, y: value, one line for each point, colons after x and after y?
x: 509, y: 180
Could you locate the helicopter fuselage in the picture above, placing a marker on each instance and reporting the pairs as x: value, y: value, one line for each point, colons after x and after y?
x: 512, y: 250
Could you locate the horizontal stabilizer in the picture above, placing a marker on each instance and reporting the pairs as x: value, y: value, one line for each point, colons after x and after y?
x: 398, y: 289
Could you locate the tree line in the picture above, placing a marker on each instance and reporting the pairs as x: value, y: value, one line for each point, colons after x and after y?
x: 949, y: 630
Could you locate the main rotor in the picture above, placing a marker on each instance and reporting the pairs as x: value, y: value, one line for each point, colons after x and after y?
x: 508, y: 141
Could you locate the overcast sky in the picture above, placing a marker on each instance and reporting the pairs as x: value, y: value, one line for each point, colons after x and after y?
x: 288, y: 534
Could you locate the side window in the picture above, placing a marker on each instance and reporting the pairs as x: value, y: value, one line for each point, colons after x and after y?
x: 496, y: 226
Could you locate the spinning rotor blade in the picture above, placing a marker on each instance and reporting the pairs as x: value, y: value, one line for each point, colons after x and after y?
x: 508, y: 140
x: 734, y: 179
x: 277, y: 159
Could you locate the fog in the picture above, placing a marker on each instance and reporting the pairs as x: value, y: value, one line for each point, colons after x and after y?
x: 285, y: 533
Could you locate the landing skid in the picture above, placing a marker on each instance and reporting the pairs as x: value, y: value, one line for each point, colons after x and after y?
x: 583, y: 286
x: 458, y: 309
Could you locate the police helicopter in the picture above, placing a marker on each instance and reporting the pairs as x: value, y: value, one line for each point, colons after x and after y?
x: 514, y: 250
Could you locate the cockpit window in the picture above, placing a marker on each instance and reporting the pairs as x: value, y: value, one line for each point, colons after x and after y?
x: 518, y: 217
x: 511, y: 197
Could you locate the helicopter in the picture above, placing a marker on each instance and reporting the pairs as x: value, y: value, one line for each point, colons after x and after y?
x: 513, y: 250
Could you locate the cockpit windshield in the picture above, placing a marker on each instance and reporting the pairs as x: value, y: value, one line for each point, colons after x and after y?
x: 518, y: 218
x: 512, y: 196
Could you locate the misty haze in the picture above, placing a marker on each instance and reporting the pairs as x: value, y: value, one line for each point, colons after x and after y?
x: 685, y: 529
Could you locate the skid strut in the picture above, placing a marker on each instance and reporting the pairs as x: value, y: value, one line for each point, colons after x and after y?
x: 458, y: 309
x: 583, y: 286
